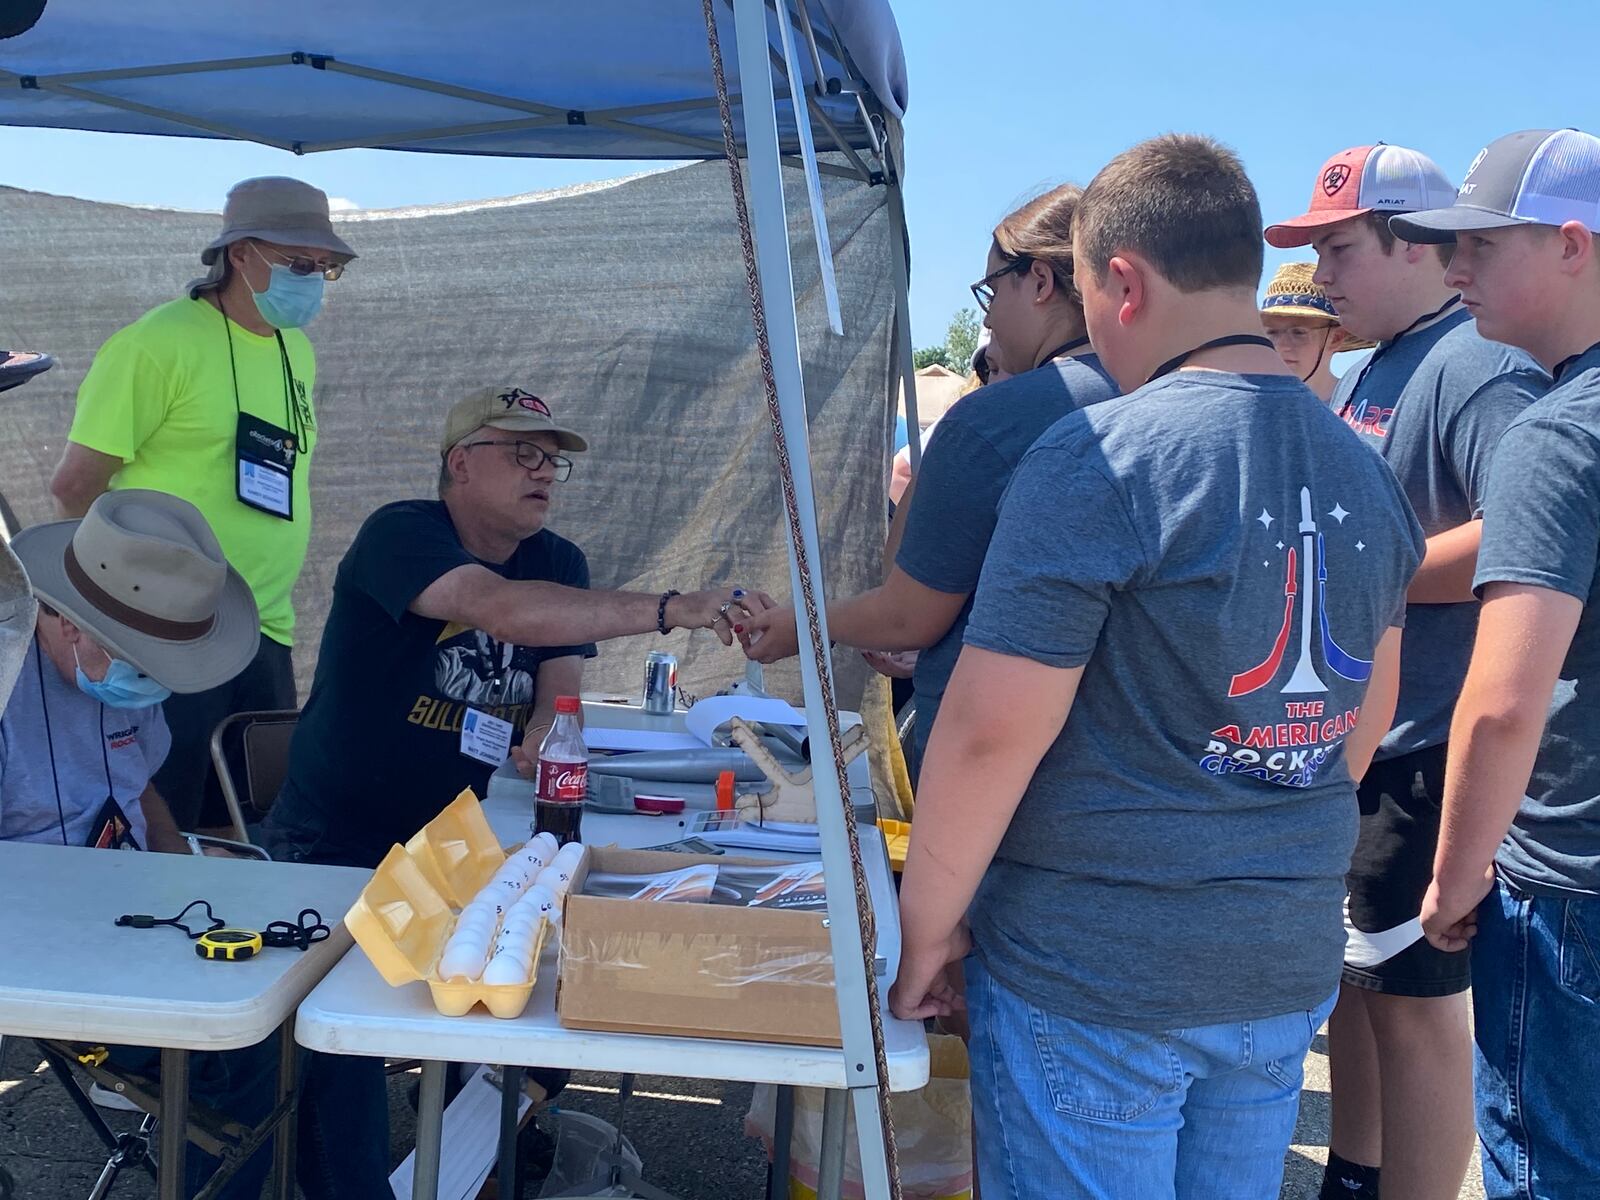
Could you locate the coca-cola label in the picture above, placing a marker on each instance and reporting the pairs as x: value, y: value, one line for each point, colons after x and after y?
x: 566, y: 781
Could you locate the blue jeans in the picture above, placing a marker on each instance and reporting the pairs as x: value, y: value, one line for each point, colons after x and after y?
x: 1072, y: 1110
x: 1536, y: 1015
x: 344, y: 1128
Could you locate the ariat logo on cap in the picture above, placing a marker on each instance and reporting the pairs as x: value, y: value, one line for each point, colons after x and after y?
x: 1335, y: 177
x: 517, y: 398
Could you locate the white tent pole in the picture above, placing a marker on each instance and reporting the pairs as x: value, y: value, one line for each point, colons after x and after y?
x: 801, y: 103
x: 770, y: 226
x: 902, y: 317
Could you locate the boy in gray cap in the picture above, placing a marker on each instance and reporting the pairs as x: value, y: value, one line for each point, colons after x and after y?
x: 209, y: 397
x: 1518, y: 866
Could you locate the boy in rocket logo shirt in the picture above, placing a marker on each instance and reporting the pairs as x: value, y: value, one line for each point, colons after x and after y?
x: 1140, y: 791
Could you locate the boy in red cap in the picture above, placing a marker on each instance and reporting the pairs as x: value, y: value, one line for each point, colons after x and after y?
x: 1432, y: 400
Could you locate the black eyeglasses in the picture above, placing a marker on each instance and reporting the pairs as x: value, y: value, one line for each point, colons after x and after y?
x: 532, y: 457
x: 983, y: 290
x: 308, y: 266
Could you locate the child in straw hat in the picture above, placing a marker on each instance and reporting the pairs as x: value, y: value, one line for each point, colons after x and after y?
x: 1303, y: 326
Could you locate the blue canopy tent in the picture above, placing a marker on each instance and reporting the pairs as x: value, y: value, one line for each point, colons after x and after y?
x: 605, y: 79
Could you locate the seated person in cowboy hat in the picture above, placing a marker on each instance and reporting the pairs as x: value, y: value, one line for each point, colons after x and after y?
x: 135, y: 601
x: 1300, y: 320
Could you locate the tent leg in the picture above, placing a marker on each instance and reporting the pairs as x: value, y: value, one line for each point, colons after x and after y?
x: 770, y: 226
x: 902, y: 320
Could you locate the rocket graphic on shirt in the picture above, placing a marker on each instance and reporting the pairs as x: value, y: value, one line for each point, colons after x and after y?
x: 1293, y: 750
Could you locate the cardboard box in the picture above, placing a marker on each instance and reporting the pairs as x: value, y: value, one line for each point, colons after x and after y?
x: 698, y: 970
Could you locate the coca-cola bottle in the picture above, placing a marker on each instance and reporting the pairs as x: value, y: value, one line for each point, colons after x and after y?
x: 563, y: 776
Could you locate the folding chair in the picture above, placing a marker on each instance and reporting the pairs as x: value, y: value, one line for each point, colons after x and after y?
x: 229, y: 1141
x: 252, y: 776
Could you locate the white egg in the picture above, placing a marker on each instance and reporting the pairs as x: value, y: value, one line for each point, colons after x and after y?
x: 459, y: 962
x: 506, y: 968
x: 548, y: 840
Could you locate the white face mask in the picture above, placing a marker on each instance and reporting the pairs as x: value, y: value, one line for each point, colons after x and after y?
x: 18, y: 612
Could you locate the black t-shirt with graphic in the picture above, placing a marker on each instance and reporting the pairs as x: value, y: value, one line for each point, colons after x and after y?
x: 378, y: 750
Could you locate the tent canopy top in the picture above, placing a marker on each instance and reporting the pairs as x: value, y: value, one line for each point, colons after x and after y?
x: 602, y: 79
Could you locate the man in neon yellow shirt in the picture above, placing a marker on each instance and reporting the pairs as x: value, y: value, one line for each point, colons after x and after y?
x: 209, y: 397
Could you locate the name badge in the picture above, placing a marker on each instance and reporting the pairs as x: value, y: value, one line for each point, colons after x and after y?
x: 485, y: 738
x: 265, y: 456
x: 111, y: 829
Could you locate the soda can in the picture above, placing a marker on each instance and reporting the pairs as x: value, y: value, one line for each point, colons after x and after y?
x: 660, y: 682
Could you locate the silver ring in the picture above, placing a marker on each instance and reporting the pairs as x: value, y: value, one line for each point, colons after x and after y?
x: 723, y: 611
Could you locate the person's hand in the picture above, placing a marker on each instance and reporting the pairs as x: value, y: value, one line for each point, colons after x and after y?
x: 770, y: 635
x: 724, y: 611
x: 1450, y: 915
x: 923, y: 988
x: 526, y: 756
x: 896, y: 664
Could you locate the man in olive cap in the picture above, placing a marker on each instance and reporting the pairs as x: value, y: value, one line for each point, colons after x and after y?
x: 209, y: 397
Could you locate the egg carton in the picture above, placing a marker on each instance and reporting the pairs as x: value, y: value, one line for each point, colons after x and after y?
x: 407, y: 912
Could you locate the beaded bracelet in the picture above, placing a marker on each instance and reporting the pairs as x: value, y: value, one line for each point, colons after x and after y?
x: 661, y: 611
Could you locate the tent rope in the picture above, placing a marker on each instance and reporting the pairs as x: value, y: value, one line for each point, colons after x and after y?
x: 819, y: 652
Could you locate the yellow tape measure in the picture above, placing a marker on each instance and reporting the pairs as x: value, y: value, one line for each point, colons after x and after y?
x: 231, y: 945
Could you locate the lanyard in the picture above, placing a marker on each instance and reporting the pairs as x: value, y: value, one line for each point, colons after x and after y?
x: 1373, y: 358
x: 1566, y: 364
x: 1232, y: 339
x: 1064, y: 348
x: 50, y: 746
x: 292, y: 419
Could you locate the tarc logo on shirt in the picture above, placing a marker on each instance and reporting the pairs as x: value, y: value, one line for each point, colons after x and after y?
x: 1306, y: 737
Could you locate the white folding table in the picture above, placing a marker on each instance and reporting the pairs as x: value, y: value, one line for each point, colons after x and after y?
x: 353, y: 1011
x: 68, y: 972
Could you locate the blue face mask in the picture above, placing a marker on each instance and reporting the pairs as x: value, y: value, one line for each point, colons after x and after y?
x: 290, y: 300
x: 123, y: 686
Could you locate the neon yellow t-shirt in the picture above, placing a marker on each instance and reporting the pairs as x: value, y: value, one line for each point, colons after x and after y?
x: 160, y: 396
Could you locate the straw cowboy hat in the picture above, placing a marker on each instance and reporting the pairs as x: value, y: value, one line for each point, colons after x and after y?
x: 1292, y: 293
x: 143, y: 575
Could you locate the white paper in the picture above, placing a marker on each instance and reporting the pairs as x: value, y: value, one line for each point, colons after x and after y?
x: 603, y: 738
x: 1366, y: 950
x: 710, y: 714
x: 471, y: 1141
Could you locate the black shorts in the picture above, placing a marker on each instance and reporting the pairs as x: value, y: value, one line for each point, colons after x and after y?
x: 1400, y: 802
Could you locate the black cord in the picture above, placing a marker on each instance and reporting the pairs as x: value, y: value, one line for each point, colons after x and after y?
x: 300, y: 934
x: 146, y: 921
x: 50, y: 741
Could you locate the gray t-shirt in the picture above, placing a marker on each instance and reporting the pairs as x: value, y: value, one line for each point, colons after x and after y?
x: 1433, y: 403
x: 82, y: 740
x: 1221, y: 556
x: 975, y: 448
x: 1541, y: 526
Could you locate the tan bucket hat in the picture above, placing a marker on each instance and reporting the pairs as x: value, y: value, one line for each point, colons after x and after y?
x: 505, y: 408
x: 144, y: 576
x: 271, y: 208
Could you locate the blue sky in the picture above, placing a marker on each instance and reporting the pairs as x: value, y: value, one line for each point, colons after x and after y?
x: 1035, y: 93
